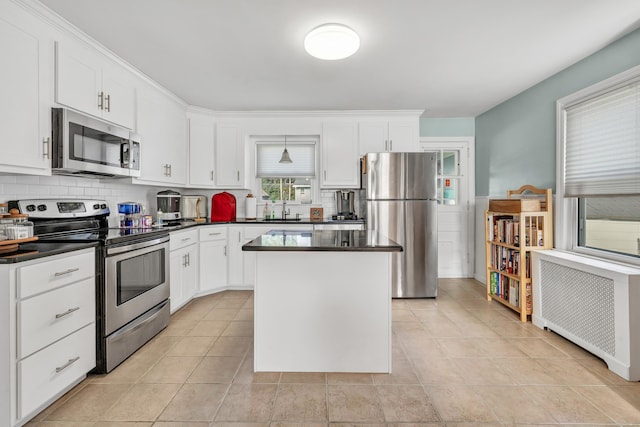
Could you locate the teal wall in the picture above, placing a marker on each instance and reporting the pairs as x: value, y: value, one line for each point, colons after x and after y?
x: 516, y: 140
x: 454, y: 126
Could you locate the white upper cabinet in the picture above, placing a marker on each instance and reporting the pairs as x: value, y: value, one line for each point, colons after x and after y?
x: 381, y: 136
x: 89, y: 82
x: 229, y: 156
x: 162, y: 125
x: 26, y: 85
x: 202, y: 134
x: 340, y: 159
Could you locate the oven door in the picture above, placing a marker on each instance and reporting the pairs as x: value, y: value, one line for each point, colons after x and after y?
x: 136, y: 280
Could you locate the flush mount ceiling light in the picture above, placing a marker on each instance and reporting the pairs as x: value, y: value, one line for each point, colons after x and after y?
x: 331, y: 42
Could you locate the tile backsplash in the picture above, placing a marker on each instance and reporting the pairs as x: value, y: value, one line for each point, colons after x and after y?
x: 115, y: 191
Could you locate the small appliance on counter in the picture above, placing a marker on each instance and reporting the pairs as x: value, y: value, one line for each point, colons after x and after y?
x: 223, y: 207
x: 193, y: 207
x: 345, y: 206
x: 129, y: 214
x: 169, y: 204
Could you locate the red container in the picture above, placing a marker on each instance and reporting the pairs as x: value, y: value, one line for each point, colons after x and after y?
x: 223, y: 207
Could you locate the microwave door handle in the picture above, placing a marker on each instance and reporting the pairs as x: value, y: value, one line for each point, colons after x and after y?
x: 124, y: 154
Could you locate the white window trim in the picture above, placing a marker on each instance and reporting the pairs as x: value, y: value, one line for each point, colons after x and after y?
x: 257, y: 182
x: 566, y: 220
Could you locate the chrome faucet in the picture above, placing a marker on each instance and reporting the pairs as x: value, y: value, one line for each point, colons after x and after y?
x: 284, y: 209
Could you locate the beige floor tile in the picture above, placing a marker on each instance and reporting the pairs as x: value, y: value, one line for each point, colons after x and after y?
x: 222, y: 314
x: 406, y: 403
x: 181, y: 424
x: 567, y: 346
x: 499, y: 347
x: 230, y: 346
x: 63, y: 424
x: 354, y: 403
x: 422, y: 346
x: 179, y: 327
x: 128, y: 372
x: 158, y: 347
x: 525, y: 371
x: 246, y: 375
x: 463, y: 347
x: 231, y: 303
x: 569, y: 371
x: 215, y: 370
x: 195, y: 402
x: 461, y: 403
x: 237, y: 424
x: 620, y: 403
x: 567, y: 406
x: 403, y: 315
x: 476, y: 329
x: 437, y: 371
x: 348, y: 378
x: 192, y: 346
x: 513, y: 405
x: 191, y: 312
x: 90, y: 403
x: 143, y: 402
x: 301, y: 403
x: 248, y: 402
x: 293, y: 424
x: 443, y: 328
x: 171, y: 369
x: 124, y: 424
x: 483, y: 371
x: 304, y: 377
x: 208, y: 328
x: 238, y: 329
x: 244, y: 314
x: 599, y: 368
x: 538, y: 348
x: 401, y: 373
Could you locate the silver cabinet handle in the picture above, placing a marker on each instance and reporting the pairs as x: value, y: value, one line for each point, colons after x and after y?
x: 386, y: 145
x: 69, y: 271
x: 238, y: 237
x: 46, y: 150
x: 101, y: 100
x: 325, y: 174
x: 186, y: 239
x: 66, y: 313
x: 238, y: 175
x: 188, y: 260
x: 170, y: 170
x: 214, y: 234
x: 212, y: 175
x: 184, y: 260
x: 66, y: 365
x: 225, y: 250
x: 108, y: 103
x: 391, y: 145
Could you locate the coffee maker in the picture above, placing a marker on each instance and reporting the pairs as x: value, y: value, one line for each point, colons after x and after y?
x: 345, y: 205
x: 169, y: 204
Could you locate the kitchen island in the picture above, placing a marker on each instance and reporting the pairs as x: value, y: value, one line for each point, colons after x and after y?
x: 322, y: 301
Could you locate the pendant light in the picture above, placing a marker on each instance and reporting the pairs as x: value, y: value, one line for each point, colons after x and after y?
x: 285, y: 154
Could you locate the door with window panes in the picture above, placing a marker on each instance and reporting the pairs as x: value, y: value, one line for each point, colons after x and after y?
x: 454, y: 217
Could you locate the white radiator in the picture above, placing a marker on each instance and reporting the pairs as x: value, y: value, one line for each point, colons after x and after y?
x: 593, y: 303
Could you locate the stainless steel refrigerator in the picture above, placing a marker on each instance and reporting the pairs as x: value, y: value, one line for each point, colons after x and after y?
x: 400, y: 190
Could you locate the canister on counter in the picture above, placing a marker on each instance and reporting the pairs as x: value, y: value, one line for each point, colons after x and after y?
x: 250, y: 207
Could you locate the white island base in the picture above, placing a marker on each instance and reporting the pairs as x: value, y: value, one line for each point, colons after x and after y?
x: 322, y: 312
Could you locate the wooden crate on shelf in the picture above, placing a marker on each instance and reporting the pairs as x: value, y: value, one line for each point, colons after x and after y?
x: 514, y: 227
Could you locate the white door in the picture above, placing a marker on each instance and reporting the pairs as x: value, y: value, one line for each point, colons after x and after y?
x: 456, y: 193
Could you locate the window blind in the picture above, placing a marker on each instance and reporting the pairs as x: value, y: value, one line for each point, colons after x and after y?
x: 303, y: 156
x: 602, y: 144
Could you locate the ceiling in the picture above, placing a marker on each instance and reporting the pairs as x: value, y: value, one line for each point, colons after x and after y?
x: 450, y: 58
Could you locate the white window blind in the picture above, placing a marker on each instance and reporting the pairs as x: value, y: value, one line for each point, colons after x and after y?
x: 303, y: 156
x: 602, y: 144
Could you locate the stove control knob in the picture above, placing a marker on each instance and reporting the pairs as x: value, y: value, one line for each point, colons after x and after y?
x: 103, y: 206
x: 96, y: 206
x: 31, y: 208
x: 42, y: 208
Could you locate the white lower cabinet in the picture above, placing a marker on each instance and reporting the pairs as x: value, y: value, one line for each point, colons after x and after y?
x: 213, y: 259
x: 48, y: 333
x: 183, y: 265
x: 236, y: 240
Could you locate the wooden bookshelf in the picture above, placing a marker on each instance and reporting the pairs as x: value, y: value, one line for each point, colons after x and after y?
x: 515, y: 226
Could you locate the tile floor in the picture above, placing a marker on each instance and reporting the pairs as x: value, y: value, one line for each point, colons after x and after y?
x: 457, y: 361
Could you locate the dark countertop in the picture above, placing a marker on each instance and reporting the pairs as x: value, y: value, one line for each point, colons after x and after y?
x: 326, y: 240
x: 35, y: 250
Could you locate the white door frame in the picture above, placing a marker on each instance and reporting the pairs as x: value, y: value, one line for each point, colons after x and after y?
x: 462, y: 143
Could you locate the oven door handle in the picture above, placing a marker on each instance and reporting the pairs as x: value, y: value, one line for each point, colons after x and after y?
x: 138, y: 245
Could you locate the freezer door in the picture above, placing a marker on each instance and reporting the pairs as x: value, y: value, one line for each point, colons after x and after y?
x: 412, y: 224
x: 401, y: 176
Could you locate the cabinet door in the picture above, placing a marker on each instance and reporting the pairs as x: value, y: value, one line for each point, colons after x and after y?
x: 162, y: 124
x: 235, y: 263
x: 190, y: 275
x: 25, y: 82
x: 120, y: 95
x: 229, y: 156
x: 201, y: 151
x: 403, y: 136
x: 213, y: 265
x: 177, y: 264
x: 79, y: 78
x: 372, y: 137
x: 340, y: 159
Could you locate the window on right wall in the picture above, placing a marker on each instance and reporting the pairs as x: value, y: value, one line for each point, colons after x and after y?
x: 599, y: 168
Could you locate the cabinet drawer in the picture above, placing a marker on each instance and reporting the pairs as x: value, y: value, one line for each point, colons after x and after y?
x: 212, y: 233
x: 46, y: 373
x: 181, y: 239
x: 44, y: 276
x: 48, y: 317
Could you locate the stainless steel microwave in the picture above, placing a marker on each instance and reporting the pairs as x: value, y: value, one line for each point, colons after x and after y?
x: 85, y: 146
